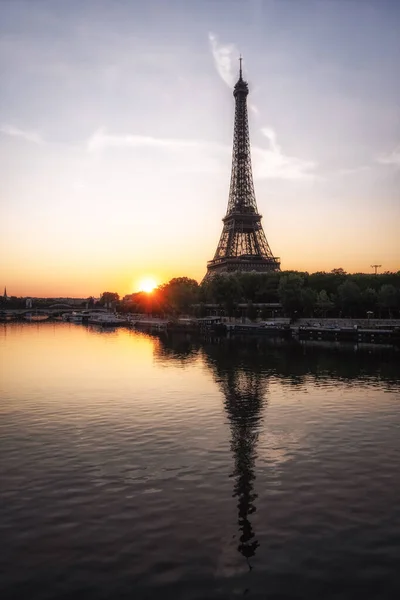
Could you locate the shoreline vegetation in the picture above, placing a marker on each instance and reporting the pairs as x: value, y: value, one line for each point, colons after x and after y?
x: 254, y: 296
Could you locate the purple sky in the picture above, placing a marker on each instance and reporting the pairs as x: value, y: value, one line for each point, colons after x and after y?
x: 116, y: 126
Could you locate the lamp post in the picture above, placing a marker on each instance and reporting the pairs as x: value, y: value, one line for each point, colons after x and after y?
x: 376, y: 267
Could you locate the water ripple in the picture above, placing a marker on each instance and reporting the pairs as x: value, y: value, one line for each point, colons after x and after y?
x: 161, y: 466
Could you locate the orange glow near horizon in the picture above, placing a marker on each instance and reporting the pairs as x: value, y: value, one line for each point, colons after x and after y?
x: 69, y: 281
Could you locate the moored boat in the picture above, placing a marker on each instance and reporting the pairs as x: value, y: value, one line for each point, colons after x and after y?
x: 106, y: 319
x: 35, y: 317
x: 75, y: 317
x: 6, y: 316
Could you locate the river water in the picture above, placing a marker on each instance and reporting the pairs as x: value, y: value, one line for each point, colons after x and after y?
x: 138, y: 466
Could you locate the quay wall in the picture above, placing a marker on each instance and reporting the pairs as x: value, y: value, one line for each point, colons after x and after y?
x: 364, y: 323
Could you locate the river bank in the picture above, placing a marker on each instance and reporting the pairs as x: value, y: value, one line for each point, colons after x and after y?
x: 375, y: 331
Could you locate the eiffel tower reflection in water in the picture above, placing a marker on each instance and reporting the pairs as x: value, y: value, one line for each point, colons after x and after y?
x: 243, y: 369
x: 237, y: 371
x: 244, y: 388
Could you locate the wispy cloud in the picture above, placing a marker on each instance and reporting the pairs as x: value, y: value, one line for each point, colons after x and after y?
x: 102, y: 140
x: 272, y: 163
x: 392, y: 159
x: 29, y: 136
x: 226, y: 62
x: 269, y: 163
x: 271, y: 137
x: 225, y: 56
x: 351, y: 171
x: 254, y: 108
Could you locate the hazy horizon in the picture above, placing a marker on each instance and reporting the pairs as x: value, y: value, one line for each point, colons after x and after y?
x: 116, y: 124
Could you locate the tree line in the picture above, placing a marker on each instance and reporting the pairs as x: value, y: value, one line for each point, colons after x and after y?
x: 300, y: 294
x: 294, y: 294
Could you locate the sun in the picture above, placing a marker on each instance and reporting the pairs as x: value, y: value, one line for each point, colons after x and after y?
x: 147, y: 285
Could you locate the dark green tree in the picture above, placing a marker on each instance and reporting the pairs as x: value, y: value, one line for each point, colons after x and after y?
x: 389, y: 298
x: 251, y: 284
x: 268, y: 291
x: 226, y: 291
x: 369, y: 300
x: 178, y: 295
x: 108, y: 298
x: 289, y: 291
x: 349, y: 298
x: 324, y: 304
x: 308, y: 299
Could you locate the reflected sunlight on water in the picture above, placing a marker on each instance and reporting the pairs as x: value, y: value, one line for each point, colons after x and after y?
x: 166, y: 465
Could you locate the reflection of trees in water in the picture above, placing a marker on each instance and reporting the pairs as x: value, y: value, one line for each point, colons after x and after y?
x: 294, y: 363
x: 178, y: 348
x: 291, y: 362
x: 242, y: 369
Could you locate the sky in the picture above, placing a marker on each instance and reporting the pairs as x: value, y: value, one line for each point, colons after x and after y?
x: 116, y: 125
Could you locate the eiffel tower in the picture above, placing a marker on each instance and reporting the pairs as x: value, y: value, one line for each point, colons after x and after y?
x: 243, y: 245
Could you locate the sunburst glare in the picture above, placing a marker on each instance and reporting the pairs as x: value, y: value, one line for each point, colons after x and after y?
x: 147, y: 285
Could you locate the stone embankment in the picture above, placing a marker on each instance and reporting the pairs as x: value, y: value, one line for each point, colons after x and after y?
x: 346, y: 323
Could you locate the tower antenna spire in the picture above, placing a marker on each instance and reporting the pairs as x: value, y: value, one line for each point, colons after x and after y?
x: 240, y: 66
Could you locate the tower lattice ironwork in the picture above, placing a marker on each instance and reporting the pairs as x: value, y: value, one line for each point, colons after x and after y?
x: 243, y: 245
